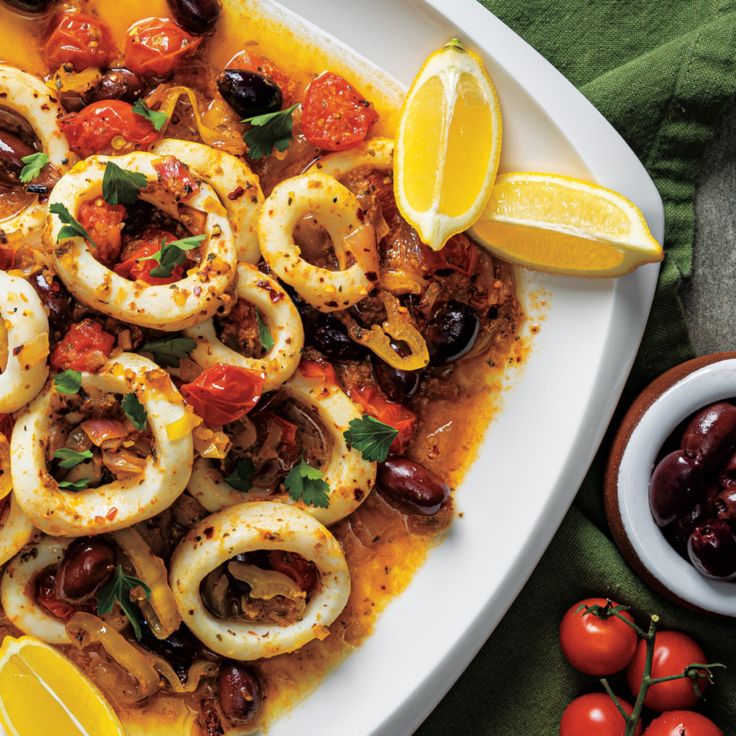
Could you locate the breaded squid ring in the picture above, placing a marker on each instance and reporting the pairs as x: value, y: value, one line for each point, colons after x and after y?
x: 236, y: 185
x: 348, y: 475
x: 335, y: 208
x: 16, y: 531
x: 251, y: 527
x: 114, y: 505
x: 27, y: 331
x: 27, y: 96
x: 17, y: 590
x: 166, y: 307
x: 283, y: 322
x: 376, y: 154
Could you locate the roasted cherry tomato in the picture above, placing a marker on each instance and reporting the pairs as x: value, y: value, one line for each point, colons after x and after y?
x: 138, y: 265
x: 156, y: 46
x: 597, y: 644
x: 104, y: 223
x: 85, y: 347
x: 595, y: 714
x: 303, y: 572
x: 673, y: 652
x: 288, y: 429
x: 335, y: 116
x: 224, y: 393
x: 80, y: 40
x: 176, y: 178
x: 262, y: 65
x: 373, y: 402
x: 459, y: 254
x: 109, y: 125
x: 318, y: 369
x: 682, y: 723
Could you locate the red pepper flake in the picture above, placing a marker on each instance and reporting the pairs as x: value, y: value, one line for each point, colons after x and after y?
x: 236, y: 193
x: 111, y: 514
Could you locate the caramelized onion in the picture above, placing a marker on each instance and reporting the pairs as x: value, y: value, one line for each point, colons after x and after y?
x: 265, y: 584
x: 101, y: 430
x: 123, y: 463
x: 196, y: 673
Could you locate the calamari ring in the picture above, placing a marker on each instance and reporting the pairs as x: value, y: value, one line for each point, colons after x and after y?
x: 166, y: 307
x: 27, y: 331
x: 16, y: 591
x: 348, y: 475
x: 335, y: 208
x: 283, y: 322
x: 250, y: 527
x: 235, y: 184
x: 27, y: 96
x: 114, y: 505
x: 16, y: 531
x: 377, y: 154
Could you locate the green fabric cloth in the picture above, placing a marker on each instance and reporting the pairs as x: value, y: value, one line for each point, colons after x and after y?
x: 662, y: 71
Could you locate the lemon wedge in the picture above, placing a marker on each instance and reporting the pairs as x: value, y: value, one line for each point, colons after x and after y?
x: 448, y: 145
x: 42, y: 692
x: 562, y: 225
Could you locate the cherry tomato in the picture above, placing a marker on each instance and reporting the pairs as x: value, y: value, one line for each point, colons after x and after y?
x: 156, y: 46
x: 224, y: 393
x: 288, y: 429
x: 176, y: 178
x: 85, y: 347
x: 673, y: 652
x: 80, y: 40
x: 138, y: 266
x: 594, y: 645
x: 303, y: 572
x: 682, y: 723
x: 107, y: 126
x: 318, y: 369
x: 595, y: 714
x: 335, y: 116
x: 104, y: 223
x: 262, y: 65
x: 373, y: 402
x: 459, y: 254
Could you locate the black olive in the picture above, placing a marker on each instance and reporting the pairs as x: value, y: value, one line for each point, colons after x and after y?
x: 398, y: 385
x: 72, y: 101
x: 330, y: 337
x: 116, y: 84
x: 35, y: 7
x: 12, y: 150
x: 179, y: 649
x: 196, y: 16
x: 240, y: 692
x: 249, y: 93
x: 452, y: 332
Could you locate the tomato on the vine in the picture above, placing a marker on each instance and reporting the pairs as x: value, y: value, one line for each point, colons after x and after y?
x: 106, y: 126
x: 138, y: 263
x: 80, y: 40
x: 85, y: 347
x: 682, y: 723
x: 598, y: 645
x: 104, y: 223
x: 673, y: 652
x: 156, y: 46
x: 335, y: 116
x: 595, y: 714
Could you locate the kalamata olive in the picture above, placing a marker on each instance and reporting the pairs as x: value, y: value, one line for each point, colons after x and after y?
x: 712, y: 549
x: 116, y: 84
x: 725, y: 504
x: 678, y: 532
x: 12, y: 150
x: 72, y: 101
x: 88, y: 562
x: 35, y: 7
x: 412, y: 485
x: 452, y: 332
x: 675, y: 487
x: 249, y: 93
x: 240, y: 692
x: 196, y: 16
x: 55, y: 298
x: 711, y: 435
x: 398, y: 385
x: 330, y: 337
x: 179, y: 649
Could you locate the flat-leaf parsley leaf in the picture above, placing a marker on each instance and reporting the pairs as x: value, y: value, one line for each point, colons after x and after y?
x: 120, y: 186
x: 72, y: 228
x: 156, y: 117
x: 68, y: 382
x: 69, y: 459
x: 34, y: 164
x: 269, y: 131
x: 117, y: 590
x: 242, y: 477
x: 172, y: 255
x: 134, y: 410
x: 170, y: 351
x: 304, y: 483
x: 371, y: 438
x: 264, y: 334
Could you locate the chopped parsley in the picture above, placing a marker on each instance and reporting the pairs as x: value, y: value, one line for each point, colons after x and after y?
x: 117, y: 590
x: 34, y: 164
x: 120, y: 186
x: 370, y: 437
x: 134, y: 410
x: 304, y: 483
x: 269, y: 131
x: 170, y: 351
x: 69, y: 459
x: 264, y: 334
x: 172, y: 255
x: 242, y: 477
x: 68, y: 382
x: 74, y: 485
x: 157, y: 118
x: 72, y: 228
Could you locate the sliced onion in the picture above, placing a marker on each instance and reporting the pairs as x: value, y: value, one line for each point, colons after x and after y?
x: 123, y: 463
x: 101, y: 430
x: 196, y: 673
x: 160, y: 609
x: 265, y: 584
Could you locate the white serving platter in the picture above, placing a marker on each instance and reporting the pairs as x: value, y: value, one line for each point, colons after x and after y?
x: 539, y: 448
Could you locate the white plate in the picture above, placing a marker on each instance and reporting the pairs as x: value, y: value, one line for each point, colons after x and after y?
x: 538, y: 450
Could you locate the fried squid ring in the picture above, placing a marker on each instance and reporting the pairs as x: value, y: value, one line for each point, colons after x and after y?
x: 166, y: 307
x: 29, y: 98
x: 281, y: 318
x: 250, y: 527
x: 348, y: 475
x: 27, y: 332
x: 376, y: 154
x: 113, y: 505
x: 17, y: 590
x: 16, y: 531
x: 335, y: 208
x: 235, y: 184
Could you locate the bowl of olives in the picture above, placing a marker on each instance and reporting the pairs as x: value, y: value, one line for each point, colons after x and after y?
x: 671, y: 484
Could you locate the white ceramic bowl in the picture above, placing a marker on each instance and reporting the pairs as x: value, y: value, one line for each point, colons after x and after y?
x: 653, y: 417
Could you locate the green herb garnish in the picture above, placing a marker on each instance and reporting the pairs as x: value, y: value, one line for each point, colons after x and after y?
x: 71, y: 458
x: 304, y: 483
x: 68, y: 382
x: 156, y: 117
x: 172, y: 255
x: 370, y: 437
x: 74, y: 485
x: 72, y: 228
x: 120, y: 186
x: 264, y: 334
x: 117, y: 590
x: 269, y: 131
x: 170, y: 351
x: 242, y: 477
x: 134, y: 410
x: 34, y: 163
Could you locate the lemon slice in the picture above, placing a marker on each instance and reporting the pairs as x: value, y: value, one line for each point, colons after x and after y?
x: 448, y: 145
x: 42, y: 692
x: 562, y: 225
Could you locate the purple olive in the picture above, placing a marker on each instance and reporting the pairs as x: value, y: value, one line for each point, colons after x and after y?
x: 727, y: 476
x: 452, y: 332
x: 249, y: 93
x: 412, y: 485
x: 56, y: 299
x: 30, y: 7
x: 330, y: 337
x: 711, y: 435
x: 675, y: 487
x: 116, y: 84
x: 712, y: 549
x: 725, y: 504
x: 196, y: 16
x: 88, y: 562
x: 179, y: 649
x: 398, y: 385
x: 240, y: 692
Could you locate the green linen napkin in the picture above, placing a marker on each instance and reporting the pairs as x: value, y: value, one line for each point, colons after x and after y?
x: 662, y: 72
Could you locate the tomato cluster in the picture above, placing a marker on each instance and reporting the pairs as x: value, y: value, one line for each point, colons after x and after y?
x: 599, y: 637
